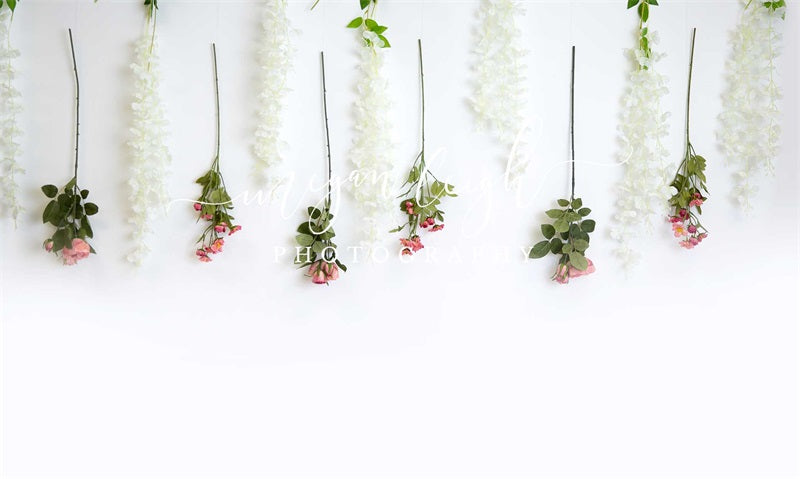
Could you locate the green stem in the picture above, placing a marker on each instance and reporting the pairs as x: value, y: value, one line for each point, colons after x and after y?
x: 216, y: 92
x: 327, y: 130
x: 572, y: 122
x: 689, y: 90
x: 77, y: 103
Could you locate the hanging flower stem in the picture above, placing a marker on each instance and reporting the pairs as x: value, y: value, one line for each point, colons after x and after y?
x: 66, y: 210
x: 423, y: 196
x: 568, y: 235
x: 316, y: 248
x: 688, y: 183
x: 215, y: 203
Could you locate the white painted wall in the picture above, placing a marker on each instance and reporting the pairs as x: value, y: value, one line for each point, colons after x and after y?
x: 470, y: 365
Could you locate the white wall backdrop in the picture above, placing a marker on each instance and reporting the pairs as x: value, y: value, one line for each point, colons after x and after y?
x: 467, y: 362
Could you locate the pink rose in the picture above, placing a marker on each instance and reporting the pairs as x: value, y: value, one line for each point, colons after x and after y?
x: 80, y: 250
x: 575, y: 272
x: 198, y: 207
x: 332, y: 271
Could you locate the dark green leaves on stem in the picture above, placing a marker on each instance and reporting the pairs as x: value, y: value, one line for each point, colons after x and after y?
x: 69, y: 214
x: 568, y: 235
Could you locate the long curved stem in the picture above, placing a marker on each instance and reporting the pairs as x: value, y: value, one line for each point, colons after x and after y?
x: 77, y: 102
x: 689, y: 88
x: 422, y: 95
x: 327, y: 131
x: 216, y: 92
x: 572, y: 122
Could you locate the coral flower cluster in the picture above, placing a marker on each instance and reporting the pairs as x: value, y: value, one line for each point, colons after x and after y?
x: 213, y: 239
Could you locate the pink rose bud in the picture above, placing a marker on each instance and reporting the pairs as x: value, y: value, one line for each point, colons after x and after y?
x: 235, y: 229
x: 48, y: 245
x: 692, y: 229
x: 219, y: 229
x: 198, y: 207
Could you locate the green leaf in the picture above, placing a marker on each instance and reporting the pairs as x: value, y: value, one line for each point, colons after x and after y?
x: 572, y: 216
x: 380, y: 29
x: 91, y: 209
x: 50, y: 191
x: 653, y: 2
x: 577, y: 203
x: 371, y: 24
x: 364, y: 4
x: 304, y: 239
x: 587, y: 226
x: 561, y: 226
x: 567, y: 249
x: 84, y: 194
x: 548, y: 231
x: 563, y: 203
x: 578, y: 261
x: 304, y: 228
x: 314, y: 213
x: 540, y: 250
x: 556, y: 245
x: 12, y: 4
x: 49, y: 211
x: 356, y: 22
x: 632, y: 3
x: 581, y: 245
x: 584, y: 211
x: 644, y: 12
x: 555, y: 214
x: 386, y: 43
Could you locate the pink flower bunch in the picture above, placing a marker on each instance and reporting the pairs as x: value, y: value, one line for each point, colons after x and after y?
x: 322, y: 271
x: 411, y: 245
x: 214, y: 247
x: 211, y: 241
x: 685, y: 226
x: 565, y: 272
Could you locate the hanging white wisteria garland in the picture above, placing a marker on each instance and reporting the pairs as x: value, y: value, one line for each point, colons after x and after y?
x: 644, y: 190
x: 499, y: 93
x: 372, y: 153
x: 148, y: 142
x: 10, y: 132
x: 276, y: 61
x: 750, y: 122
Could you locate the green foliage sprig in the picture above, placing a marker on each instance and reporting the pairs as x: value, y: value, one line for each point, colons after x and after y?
x: 774, y: 6
x: 643, y: 10
x: 422, y: 198
x: 316, y: 248
x: 67, y: 210
x: 214, y: 203
x: 373, y: 31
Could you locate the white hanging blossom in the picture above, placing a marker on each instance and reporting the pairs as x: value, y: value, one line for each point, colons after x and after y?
x: 750, y: 122
x: 644, y: 191
x: 148, y: 143
x: 10, y: 107
x: 276, y: 61
x: 499, y: 83
x: 372, y: 150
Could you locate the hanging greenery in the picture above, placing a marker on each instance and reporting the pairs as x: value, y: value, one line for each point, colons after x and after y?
x: 643, y: 192
x: 10, y: 107
x: 67, y: 210
x: 150, y: 157
x: 750, y: 126
x: 275, y: 56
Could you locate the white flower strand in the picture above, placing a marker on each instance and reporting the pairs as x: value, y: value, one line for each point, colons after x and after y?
x: 10, y: 107
x: 148, y: 144
x: 499, y: 97
x: 372, y: 150
x: 644, y: 191
x: 750, y: 122
x: 276, y: 61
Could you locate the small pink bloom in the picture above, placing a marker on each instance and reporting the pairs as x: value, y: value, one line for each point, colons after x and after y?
x: 205, y: 259
x: 235, y: 229
x: 200, y: 252
x: 407, y: 252
x: 692, y: 229
x: 694, y: 241
x: 424, y: 224
x: 683, y: 213
x: 687, y: 244
x: 679, y: 229
x: 219, y: 229
x: 674, y: 219
x: 207, y: 217
x: 562, y: 274
x: 438, y: 227
x: 331, y: 271
x: 48, y: 246
x: 198, y: 207
x: 702, y: 236
x: 216, y: 246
